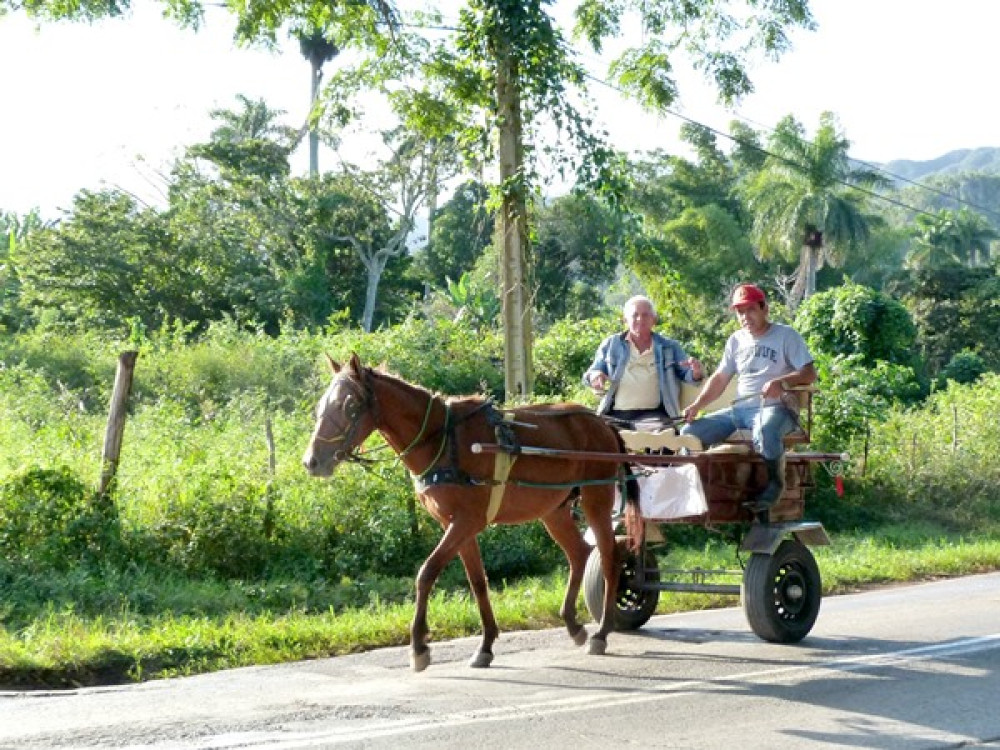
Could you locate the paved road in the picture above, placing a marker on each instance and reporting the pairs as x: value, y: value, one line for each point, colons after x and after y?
x: 905, y: 667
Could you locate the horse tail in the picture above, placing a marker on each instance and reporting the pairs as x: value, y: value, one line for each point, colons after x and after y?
x: 634, y: 525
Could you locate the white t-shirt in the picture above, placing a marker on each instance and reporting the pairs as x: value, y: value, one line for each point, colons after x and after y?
x: 639, y: 387
x: 758, y: 359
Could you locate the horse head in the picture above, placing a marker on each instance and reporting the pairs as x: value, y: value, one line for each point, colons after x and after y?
x: 344, y: 418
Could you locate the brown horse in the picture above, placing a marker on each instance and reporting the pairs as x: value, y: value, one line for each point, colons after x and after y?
x: 466, y: 491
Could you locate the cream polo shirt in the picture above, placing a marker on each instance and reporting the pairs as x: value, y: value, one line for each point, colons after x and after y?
x: 639, y: 387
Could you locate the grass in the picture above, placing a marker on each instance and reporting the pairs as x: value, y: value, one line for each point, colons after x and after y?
x: 62, y: 647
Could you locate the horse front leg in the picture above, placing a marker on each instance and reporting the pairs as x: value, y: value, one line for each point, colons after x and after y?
x: 472, y: 559
x: 562, y: 528
x: 455, y: 535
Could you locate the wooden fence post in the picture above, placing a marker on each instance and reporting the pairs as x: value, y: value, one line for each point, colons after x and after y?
x: 116, y: 420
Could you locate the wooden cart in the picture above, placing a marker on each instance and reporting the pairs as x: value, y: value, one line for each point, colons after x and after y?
x: 779, y: 584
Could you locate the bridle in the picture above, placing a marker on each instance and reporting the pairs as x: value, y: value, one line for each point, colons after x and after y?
x: 359, y: 400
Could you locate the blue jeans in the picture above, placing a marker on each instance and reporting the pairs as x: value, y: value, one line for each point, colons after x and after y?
x: 769, y: 424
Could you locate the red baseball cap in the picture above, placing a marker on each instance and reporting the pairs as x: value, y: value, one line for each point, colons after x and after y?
x: 747, y: 294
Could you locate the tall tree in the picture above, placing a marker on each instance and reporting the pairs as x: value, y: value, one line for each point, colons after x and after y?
x: 317, y: 50
x: 803, y: 204
x: 509, y: 64
x: 462, y: 230
x: 400, y: 187
x: 974, y: 236
x: 935, y: 241
x: 249, y: 141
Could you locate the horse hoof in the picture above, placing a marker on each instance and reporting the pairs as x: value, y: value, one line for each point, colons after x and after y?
x: 580, y: 637
x: 598, y: 646
x: 481, y: 660
x: 420, y: 662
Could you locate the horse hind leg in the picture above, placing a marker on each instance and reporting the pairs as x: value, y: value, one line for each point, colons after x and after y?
x: 597, y: 503
x: 562, y: 528
x: 472, y: 560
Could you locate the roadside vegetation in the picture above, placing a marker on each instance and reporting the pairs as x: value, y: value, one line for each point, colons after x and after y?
x: 203, y: 557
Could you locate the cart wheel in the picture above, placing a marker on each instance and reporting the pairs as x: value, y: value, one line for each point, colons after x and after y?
x: 633, y: 607
x: 781, y: 593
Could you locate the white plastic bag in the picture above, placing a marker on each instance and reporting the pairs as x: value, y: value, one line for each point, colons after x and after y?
x: 672, y: 492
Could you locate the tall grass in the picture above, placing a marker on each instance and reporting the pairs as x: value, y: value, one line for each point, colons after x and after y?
x: 207, y: 556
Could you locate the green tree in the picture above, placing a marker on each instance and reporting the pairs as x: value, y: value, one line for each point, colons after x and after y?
x: 854, y: 319
x: 108, y: 262
x: 974, y: 237
x: 317, y: 50
x: 579, y: 244
x: 249, y: 142
x: 14, y: 231
x: 509, y: 62
x: 802, y: 201
x: 955, y: 309
x: 462, y: 230
x: 936, y: 242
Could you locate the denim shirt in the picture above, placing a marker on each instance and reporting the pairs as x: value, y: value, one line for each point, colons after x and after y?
x: 612, y: 356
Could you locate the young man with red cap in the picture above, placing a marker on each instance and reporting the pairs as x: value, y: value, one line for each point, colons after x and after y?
x: 766, y: 358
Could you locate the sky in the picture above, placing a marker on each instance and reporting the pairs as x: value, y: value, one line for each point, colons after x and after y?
x: 113, y: 103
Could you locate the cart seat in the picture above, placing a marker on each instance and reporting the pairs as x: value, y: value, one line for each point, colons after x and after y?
x: 638, y: 441
x: 743, y: 437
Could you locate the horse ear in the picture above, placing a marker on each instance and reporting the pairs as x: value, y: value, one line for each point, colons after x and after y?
x: 333, y: 365
x: 355, y: 363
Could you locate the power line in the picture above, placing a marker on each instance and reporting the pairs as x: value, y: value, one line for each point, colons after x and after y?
x: 779, y: 157
x: 878, y: 168
x: 883, y: 170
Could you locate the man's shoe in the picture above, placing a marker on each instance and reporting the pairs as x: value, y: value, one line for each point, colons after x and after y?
x: 773, y: 489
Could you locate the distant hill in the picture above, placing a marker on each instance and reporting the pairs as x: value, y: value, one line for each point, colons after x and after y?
x: 966, y: 178
x: 986, y: 159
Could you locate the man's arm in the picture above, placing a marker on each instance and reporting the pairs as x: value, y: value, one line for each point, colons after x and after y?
x: 596, y: 376
x: 714, y: 387
x: 805, y: 375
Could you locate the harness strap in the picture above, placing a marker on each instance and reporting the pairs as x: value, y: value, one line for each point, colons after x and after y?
x: 502, y: 464
x: 423, y: 428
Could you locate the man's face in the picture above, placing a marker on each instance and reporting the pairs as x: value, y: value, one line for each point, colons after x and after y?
x: 752, y: 317
x: 640, y: 319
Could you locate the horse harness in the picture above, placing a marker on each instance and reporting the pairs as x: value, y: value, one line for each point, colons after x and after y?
x: 501, y: 421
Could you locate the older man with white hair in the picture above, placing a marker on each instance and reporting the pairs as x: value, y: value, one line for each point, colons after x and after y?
x: 638, y: 372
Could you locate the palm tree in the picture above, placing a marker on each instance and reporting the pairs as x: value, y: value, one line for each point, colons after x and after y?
x: 803, y: 204
x: 249, y: 140
x: 318, y: 46
x: 973, y: 237
x: 936, y: 241
x: 318, y: 50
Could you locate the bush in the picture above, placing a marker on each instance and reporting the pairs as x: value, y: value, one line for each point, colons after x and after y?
x: 854, y: 319
x: 564, y: 353
x: 964, y: 367
x: 854, y: 394
x: 49, y: 519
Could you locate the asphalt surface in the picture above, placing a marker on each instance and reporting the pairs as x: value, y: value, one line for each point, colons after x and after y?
x: 903, y: 667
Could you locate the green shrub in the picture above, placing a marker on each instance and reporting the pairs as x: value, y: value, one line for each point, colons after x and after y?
x: 445, y: 356
x: 49, y: 519
x: 215, y: 524
x: 564, y: 353
x: 965, y: 367
x: 855, y: 320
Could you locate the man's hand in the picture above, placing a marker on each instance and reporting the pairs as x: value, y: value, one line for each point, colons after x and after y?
x: 695, y: 367
x: 773, y: 389
x: 691, y: 412
x: 598, y: 382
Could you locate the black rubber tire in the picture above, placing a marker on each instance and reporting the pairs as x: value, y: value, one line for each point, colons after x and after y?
x: 633, y: 607
x: 781, y: 593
